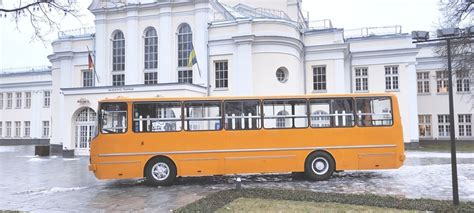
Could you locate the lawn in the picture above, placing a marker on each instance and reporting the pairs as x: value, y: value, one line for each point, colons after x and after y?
x: 444, y: 146
x: 268, y: 205
x: 278, y: 200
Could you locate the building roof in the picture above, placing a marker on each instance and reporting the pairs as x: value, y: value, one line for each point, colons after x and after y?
x: 25, y: 71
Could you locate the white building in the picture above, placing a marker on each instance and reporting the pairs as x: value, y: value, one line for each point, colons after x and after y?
x: 432, y: 89
x: 244, y: 48
x: 25, y: 101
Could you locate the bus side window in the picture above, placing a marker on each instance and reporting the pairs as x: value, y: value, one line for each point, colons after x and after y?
x: 332, y: 113
x: 113, y: 118
x: 203, y: 116
x: 285, y: 114
x: 242, y: 115
x: 157, y: 117
x: 375, y: 111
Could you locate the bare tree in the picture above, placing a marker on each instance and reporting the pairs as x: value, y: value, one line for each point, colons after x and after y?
x: 458, y: 14
x: 44, y: 16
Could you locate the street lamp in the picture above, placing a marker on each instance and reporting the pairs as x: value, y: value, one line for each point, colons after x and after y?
x: 448, y: 35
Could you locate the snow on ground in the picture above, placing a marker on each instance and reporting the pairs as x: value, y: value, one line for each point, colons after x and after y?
x: 32, y: 183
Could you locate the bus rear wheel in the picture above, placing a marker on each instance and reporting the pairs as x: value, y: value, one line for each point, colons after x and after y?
x: 160, y: 172
x: 319, y: 166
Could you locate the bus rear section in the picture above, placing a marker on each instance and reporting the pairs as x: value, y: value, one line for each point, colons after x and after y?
x: 161, y: 139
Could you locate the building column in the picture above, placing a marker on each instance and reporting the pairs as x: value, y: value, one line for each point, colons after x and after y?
x: 201, y: 39
x: 132, y: 50
x: 243, y: 65
x: 339, y: 76
x: 166, y: 50
x: 102, y: 46
x: 412, y: 95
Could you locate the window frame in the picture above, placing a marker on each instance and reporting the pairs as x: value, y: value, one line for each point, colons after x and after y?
x: 25, y: 128
x: 289, y: 99
x: 28, y: 97
x: 150, y: 64
x: 446, y: 123
x: 423, y: 81
x: 442, y: 81
x: 91, y: 78
x: 221, y: 80
x: 389, y: 77
x: 18, y: 100
x: 243, y: 100
x: 332, y: 127
x: 464, y: 125
x: 46, y: 99
x: 43, y: 128
x: 382, y: 126
x: 430, y: 124
x: 156, y: 102
x: 325, y: 83
x: 185, y: 39
x: 361, y: 77
x: 9, y: 101
x: 183, y: 107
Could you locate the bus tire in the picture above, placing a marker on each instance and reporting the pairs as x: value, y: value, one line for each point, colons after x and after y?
x: 319, y: 166
x: 160, y: 172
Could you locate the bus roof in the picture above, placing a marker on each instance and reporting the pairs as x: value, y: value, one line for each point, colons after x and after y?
x: 126, y: 99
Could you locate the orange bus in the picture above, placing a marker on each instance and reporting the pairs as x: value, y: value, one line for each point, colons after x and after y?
x: 164, y: 138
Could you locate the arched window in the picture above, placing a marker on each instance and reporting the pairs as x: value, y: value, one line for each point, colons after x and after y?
x: 118, y: 59
x: 185, y: 46
x: 151, y: 56
x: 320, y: 119
x: 282, y: 122
x: 85, y: 127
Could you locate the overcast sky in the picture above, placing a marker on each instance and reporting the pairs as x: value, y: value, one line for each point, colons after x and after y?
x: 17, y: 49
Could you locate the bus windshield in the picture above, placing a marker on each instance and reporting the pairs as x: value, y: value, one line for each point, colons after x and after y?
x: 113, y: 118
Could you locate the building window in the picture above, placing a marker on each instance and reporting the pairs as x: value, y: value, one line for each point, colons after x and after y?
x: 1, y: 100
x: 46, y: 99
x: 87, y: 78
x: 9, y: 100
x: 222, y: 74
x: 151, y: 49
x: 27, y: 100
x: 17, y: 129
x: 27, y: 132
x: 1, y: 129
x: 465, y: 125
x: 118, y: 52
x: 118, y: 80
x: 424, y: 122
x: 319, y: 78
x: 19, y: 98
x: 45, y: 129
x: 463, y: 82
x: 443, y: 126
x: 391, y: 78
x: 185, y: 46
x: 362, y: 79
x: 118, y: 59
x: 151, y: 78
x: 423, y: 82
x: 8, y: 125
x: 442, y: 85
x: 282, y: 74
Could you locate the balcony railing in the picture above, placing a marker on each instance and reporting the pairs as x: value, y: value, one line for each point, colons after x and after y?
x: 373, y: 31
x: 76, y: 33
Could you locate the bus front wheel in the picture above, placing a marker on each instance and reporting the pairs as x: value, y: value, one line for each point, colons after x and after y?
x: 160, y: 172
x: 319, y: 166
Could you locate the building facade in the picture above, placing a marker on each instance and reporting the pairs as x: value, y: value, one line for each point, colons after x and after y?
x: 433, y: 94
x: 25, y: 106
x: 243, y: 48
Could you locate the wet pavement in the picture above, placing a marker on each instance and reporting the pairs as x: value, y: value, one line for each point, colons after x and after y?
x: 54, y: 184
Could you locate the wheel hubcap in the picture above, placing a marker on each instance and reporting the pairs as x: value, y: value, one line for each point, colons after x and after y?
x: 160, y: 171
x: 320, y: 166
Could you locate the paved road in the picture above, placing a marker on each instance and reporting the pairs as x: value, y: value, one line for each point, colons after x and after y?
x: 54, y: 184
